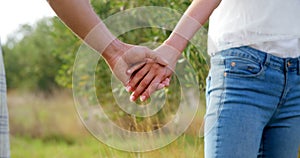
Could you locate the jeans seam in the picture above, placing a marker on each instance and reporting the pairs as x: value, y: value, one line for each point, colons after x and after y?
x: 220, y: 108
x: 285, y: 90
x: 247, y: 53
x: 262, y: 145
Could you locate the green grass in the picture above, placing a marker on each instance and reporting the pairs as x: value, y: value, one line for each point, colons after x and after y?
x: 37, y: 148
x: 91, y: 148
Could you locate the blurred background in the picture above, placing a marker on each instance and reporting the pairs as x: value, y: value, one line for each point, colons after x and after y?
x: 39, y: 53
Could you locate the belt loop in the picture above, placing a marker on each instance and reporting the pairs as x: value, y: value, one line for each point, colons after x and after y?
x: 267, y: 59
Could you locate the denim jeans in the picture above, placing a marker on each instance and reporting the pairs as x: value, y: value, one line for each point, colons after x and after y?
x: 253, y: 105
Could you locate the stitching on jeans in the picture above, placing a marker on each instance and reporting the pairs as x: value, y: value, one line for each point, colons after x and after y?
x: 220, y: 108
x: 260, y: 73
x: 219, y: 102
x: 261, y: 147
x: 285, y: 90
x: 247, y: 55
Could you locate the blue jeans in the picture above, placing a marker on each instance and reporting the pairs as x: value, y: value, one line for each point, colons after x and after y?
x: 253, y: 105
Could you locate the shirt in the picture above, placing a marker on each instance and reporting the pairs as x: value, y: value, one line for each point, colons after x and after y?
x: 283, y: 48
x: 237, y: 23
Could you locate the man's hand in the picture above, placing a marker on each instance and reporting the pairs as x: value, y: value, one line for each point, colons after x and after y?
x: 148, y: 79
x: 153, y: 76
x: 124, y: 59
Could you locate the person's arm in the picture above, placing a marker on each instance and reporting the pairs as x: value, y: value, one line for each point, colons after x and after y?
x: 80, y: 17
x: 198, y: 12
x: 192, y: 20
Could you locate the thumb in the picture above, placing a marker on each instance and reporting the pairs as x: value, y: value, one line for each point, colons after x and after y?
x: 119, y: 71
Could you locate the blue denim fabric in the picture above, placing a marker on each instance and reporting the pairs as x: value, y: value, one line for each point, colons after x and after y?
x: 253, y: 105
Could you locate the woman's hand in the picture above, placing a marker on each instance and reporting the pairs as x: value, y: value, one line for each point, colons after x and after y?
x: 153, y: 76
x: 122, y: 57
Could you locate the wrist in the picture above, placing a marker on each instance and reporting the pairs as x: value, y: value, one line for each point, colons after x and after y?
x: 99, y: 38
x: 168, y: 53
x: 177, y: 42
x: 114, y: 51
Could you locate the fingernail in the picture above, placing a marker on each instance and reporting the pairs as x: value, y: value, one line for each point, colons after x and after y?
x: 160, y: 86
x: 143, y: 98
x: 132, y: 98
x: 129, y: 71
x: 128, y: 88
x: 167, y: 80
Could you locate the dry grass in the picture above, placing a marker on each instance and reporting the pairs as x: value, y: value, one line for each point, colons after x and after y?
x: 40, y: 116
x: 48, y: 126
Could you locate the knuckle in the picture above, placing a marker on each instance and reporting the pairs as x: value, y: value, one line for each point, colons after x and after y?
x: 160, y: 76
x: 131, y: 83
x: 155, y: 67
x: 139, y: 75
x: 134, y: 81
x: 164, y: 75
x: 144, y: 84
x: 143, y: 48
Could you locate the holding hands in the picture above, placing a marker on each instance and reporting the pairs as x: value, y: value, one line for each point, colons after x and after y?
x: 153, y: 75
x: 127, y: 59
x: 140, y: 69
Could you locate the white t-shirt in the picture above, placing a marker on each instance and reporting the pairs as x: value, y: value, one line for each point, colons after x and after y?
x: 282, y: 48
x: 258, y: 23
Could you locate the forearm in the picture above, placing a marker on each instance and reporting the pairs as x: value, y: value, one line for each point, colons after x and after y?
x: 194, y: 17
x: 80, y: 17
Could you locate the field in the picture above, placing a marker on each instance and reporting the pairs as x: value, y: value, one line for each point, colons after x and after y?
x: 49, y: 127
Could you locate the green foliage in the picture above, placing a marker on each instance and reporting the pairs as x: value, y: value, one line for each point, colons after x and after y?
x: 42, y: 56
x: 27, y: 60
x: 105, y: 8
x: 65, y: 47
x: 39, y: 57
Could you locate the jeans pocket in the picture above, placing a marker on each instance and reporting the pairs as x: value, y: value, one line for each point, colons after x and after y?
x: 238, y: 66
